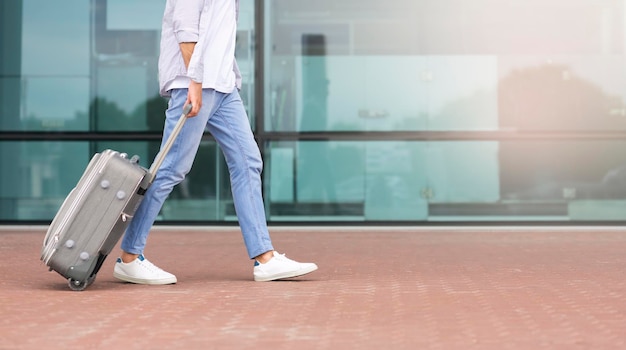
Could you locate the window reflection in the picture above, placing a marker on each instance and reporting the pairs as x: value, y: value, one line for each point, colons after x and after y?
x: 370, y: 65
x: 445, y: 65
x: 562, y: 93
x: 40, y: 175
x: 451, y: 65
x: 91, y: 66
x: 125, y: 64
x: 54, y: 66
x: 446, y: 181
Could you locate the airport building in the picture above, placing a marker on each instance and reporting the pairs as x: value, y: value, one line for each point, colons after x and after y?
x: 419, y: 112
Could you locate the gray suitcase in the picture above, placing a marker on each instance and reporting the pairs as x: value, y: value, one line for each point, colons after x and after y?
x: 97, y: 211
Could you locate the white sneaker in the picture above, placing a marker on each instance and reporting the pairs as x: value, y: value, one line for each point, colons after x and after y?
x: 141, y: 271
x: 280, y: 267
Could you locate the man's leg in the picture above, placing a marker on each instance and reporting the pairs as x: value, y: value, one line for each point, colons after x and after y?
x: 176, y: 165
x: 231, y: 129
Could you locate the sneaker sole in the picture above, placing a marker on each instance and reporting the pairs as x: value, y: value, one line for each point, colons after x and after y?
x: 144, y: 281
x: 285, y: 275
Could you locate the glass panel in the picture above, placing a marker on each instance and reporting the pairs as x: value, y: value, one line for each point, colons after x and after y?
x: 120, y: 14
x: 329, y: 172
x: 44, y: 77
x: 52, y: 46
x: 125, y: 75
x: 10, y: 117
x: 562, y: 92
x: 245, y: 55
x: 35, y: 178
x: 55, y: 65
x: 446, y: 181
x: 313, y: 180
x: 444, y: 65
x: 55, y: 104
x: 96, y: 70
x: 10, y: 64
x: 126, y: 58
x: 205, y: 193
x: 552, y: 170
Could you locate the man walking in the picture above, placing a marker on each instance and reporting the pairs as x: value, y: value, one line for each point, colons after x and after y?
x: 197, y: 65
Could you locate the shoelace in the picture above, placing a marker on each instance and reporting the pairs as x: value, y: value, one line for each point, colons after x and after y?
x: 150, y: 266
x: 282, y: 257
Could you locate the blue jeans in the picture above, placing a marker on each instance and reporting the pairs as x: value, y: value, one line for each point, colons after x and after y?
x: 225, y: 117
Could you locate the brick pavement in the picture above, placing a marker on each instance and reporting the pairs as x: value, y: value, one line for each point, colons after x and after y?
x: 377, y: 288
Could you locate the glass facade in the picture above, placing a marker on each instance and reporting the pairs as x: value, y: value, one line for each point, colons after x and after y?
x: 416, y: 111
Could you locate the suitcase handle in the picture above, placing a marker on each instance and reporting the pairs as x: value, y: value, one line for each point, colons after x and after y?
x: 170, y: 141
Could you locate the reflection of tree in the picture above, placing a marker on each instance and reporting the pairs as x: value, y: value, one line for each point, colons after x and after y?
x: 148, y: 115
x: 552, y: 97
x: 108, y: 116
x: 155, y: 113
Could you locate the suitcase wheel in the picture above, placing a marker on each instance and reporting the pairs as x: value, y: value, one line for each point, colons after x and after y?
x: 78, y: 286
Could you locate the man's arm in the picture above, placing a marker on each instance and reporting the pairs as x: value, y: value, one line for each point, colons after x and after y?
x: 194, y: 93
x: 186, y: 49
x: 186, y: 21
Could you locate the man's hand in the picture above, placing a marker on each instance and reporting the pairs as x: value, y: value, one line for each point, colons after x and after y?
x: 194, y: 94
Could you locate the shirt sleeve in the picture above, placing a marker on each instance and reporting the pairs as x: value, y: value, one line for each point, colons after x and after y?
x: 186, y: 20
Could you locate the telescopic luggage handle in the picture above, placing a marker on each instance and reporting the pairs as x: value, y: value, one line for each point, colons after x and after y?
x: 170, y: 141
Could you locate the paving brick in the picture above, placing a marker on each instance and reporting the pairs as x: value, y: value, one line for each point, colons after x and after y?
x: 376, y: 288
